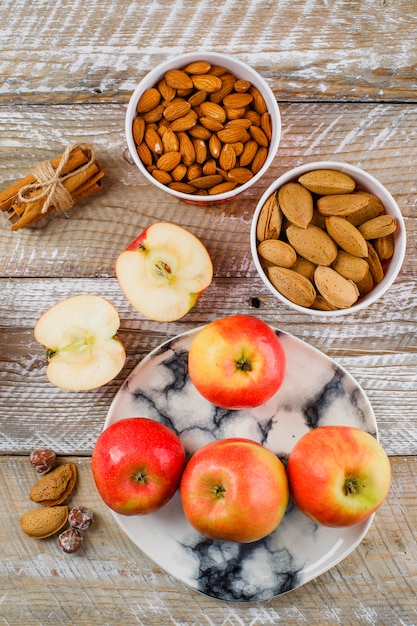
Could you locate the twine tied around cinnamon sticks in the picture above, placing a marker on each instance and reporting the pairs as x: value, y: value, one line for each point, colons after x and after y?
x: 52, y: 186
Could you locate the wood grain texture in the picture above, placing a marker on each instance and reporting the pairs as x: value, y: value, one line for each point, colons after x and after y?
x: 306, y: 49
x: 111, y: 582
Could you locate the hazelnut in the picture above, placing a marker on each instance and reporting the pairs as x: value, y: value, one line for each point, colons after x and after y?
x: 80, y: 517
x: 42, y: 460
x: 70, y: 540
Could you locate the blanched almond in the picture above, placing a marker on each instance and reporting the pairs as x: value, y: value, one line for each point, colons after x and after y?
x: 296, y: 203
x: 294, y: 286
x: 326, y: 182
x: 312, y: 243
x: 336, y: 289
x: 346, y: 236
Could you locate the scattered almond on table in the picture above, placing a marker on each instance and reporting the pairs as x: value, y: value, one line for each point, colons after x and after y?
x: 323, y: 242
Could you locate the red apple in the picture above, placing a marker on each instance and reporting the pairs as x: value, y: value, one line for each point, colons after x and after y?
x: 338, y: 475
x: 137, y: 464
x: 237, y: 362
x: 234, y: 490
x: 83, y: 349
x: 164, y: 271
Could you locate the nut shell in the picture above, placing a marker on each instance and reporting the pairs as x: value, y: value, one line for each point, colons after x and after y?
x: 55, y: 487
x: 44, y: 522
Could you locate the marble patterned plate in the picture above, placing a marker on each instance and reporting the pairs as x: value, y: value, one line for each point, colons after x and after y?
x: 316, y: 391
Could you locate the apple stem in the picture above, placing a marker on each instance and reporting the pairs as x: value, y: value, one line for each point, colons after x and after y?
x: 243, y: 364
x: 351, y: 486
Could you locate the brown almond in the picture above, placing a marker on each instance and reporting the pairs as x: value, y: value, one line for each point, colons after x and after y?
x: 270, y: 219
x: 178, y: 79
x: 222, y: 187
x: 55, y: 487
x: 227, y: 159
x: 200, y: 149
x: 235, y: 114
x: 167, y: 92
x: 199, y: 132
x: 240, y: 174
x: 242, y: 85
x: 153, y: 141
x: 248, y: 154
x: 346, y: 236
x: 373, y: 208
x: 380, y: 226
x: 209, y: 167
x: 154, y: 115
x: 341, y: 204
x: 237, y: 100
x: 259, y: 160
x: 182, y: 187
x: 168, y: 161
x: 384, y: 247
x: 291, y: 285
x: 197, y: 98
x: 266, y: 125
x: 144, y: 154
x: 327, y: 182
x: 258, y: 101
x: 259, y: 136
x: 198, y: 67
x: 194, y: 171
x: 148, y: 100
x: 215, y: 146
x: 179, y: 172
x: 138, y: 129
x: 205, y: 182
x: 44, y: 522
x: 296, y: 203
x: 213, y: 110
x: 238, y: 147
x: 186, y: 149
x: 170, y: 141
x: 207, y: 82
x: 163, y: 177
x: 336, y: 289
x: 183, y: 123
x: 277, y: 252
x: 176, y: 109
x: 211, y: 124
x: 349, y: 266
x: 228, y: 81
x: 231, y: 134
x: 375, y: 265
x: 312, y: 243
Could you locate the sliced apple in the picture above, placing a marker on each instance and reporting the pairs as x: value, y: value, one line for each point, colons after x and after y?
x: 164, y: 271
x: 79, y: 334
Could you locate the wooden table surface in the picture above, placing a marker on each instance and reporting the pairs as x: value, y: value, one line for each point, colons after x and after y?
x: 344, y: 73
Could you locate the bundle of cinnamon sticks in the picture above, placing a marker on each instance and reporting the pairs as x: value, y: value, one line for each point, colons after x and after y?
x: 52, y: 186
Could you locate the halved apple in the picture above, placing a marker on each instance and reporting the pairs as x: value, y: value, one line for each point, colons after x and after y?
x: 164, y: 271
x: 79, y: 334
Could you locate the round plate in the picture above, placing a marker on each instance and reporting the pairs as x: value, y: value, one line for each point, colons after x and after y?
x: 316, y: 391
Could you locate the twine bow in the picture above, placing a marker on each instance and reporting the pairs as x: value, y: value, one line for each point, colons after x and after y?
x: 50, y: 183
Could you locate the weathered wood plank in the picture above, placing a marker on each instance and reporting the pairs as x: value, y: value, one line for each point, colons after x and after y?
x: 315, y: 50
x: 376, y: 346
x: 87, y: 240
x: 111, y: 582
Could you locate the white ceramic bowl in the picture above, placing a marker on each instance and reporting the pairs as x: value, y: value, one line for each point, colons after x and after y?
x: 365, y: 182
x: 240, y: 70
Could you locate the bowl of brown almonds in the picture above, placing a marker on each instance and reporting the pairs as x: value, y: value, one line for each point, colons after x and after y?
x: 327, y: 239
x: 203, y: 127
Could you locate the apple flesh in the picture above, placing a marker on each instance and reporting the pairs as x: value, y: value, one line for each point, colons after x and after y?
x: 237, y: 362
x: 137, y: 464
x: 164, y: 272
x: 82, y: 348
x: 234, y: 490
x: 338, y: 475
